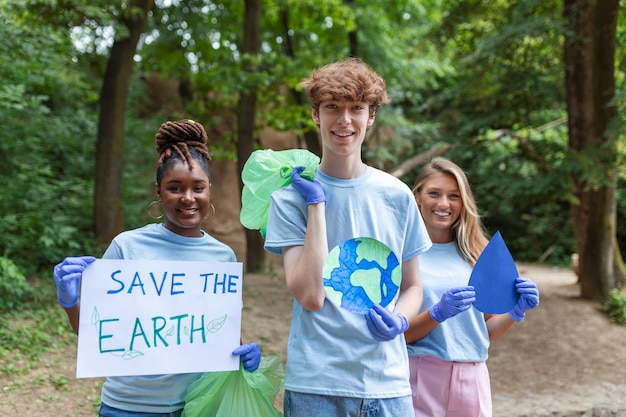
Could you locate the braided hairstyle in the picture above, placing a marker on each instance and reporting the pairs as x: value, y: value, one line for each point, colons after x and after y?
x: 184, y: 140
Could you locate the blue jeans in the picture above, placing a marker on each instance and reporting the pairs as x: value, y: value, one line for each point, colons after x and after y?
x: 297, y: 404
x: 106, y: 411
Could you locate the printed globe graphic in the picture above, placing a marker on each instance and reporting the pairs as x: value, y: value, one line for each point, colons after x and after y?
x: 361, y: 272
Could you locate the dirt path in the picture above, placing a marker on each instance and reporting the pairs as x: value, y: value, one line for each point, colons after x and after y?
x: 564, y: 359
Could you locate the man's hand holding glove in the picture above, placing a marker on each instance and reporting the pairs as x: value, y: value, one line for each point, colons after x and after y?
x: 249, y: 356
x: 453, y: 302
x: 67, y: 276
x: 529, y: 298
x: 385, y: 325
x: 311, y: 190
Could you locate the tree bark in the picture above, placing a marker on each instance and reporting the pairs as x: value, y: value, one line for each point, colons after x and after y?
x: 311, y: 138
x: 255, y: 254
x: 353, y: 40
x: 409, y: 165
x: 620, y: 271
x: 108, y: 219
x: 589, y: 55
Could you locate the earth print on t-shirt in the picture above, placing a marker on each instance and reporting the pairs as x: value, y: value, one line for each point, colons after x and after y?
x: 361, y: 272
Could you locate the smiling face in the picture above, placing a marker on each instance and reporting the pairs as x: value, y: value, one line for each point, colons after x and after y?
x: 440, y: 203
x: 343, y: 125
x: 185, y: 196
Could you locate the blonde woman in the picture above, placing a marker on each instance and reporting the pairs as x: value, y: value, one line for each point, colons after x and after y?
x: 448, y: 340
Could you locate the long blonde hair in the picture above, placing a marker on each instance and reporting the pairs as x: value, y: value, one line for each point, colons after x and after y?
x: 468, y: 232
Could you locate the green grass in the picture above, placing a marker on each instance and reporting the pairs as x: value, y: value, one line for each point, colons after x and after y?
x: 29, y: 330
x: 35, y: 339
x: 616, y: 306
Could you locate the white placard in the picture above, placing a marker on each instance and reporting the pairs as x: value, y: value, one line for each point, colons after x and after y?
x: 142, y: 317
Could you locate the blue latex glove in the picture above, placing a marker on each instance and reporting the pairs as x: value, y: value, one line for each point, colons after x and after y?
x: 453, y: 302
x: 311, y: 190
x: 385, y: 325
x: 529, y: 298
x: 249, y: 356
x: 67, y: 276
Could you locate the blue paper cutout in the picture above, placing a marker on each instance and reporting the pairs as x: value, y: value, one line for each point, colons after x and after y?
x: 493, y: 278
x: 361, y: 272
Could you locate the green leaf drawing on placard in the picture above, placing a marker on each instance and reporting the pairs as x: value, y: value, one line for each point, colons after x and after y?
x: 95, y: 318
x: 95, y: 321
x: 132, y: 354
x: 216, y: 324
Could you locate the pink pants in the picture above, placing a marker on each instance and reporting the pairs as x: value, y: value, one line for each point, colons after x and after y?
x: 449, y: 389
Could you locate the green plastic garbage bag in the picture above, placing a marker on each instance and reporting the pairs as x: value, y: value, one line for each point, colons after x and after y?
x: 265, y: 172
x: 237, y: 393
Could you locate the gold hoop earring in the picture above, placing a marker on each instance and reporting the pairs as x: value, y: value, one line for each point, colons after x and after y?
x: 151, y: 208
x: 212, y: 215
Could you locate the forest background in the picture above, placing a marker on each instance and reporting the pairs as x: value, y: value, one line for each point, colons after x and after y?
x: 526, y: 95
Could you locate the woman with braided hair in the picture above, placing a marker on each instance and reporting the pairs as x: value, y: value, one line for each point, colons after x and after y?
x: 183, y: 190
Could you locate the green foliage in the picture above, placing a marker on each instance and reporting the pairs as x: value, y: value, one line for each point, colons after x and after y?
x: 14, y: 289
x: 387, y: 147
x: 46, y: 147
x: 616, y: 306
x: 139, y: 175
x: 27, y: 333
x: 47, y: 203
x: 523, y: 196
x: 503, y: 110
x: 486, y: 77
x: 620, y: 195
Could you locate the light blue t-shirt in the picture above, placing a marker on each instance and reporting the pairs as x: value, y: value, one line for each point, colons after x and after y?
x: 158, y: 393
x: 464, y: 337
x: 331, y: 351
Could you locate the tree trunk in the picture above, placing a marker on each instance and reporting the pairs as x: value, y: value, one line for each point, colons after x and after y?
x: 409, y: 165
x: 620, y: 271
x: 311, y: 138
x: 353, y: 41
x: 255, y: 254
x: 108, y: 217
x: 589, y: 53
